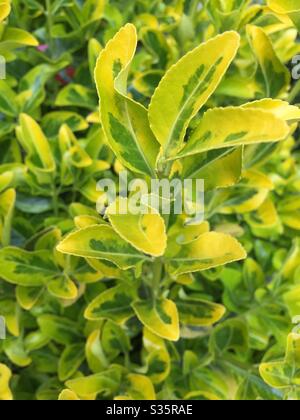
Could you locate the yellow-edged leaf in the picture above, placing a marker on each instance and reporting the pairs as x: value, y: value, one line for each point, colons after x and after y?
x: 125, y: 121
x: 186, y: 87
x: 101, y: 242
x: 210, y: 250
x: 276, y: 76
x: 5, y: 377
x: 160, y: 317
x: 229, y: 127
x: 146, y: 232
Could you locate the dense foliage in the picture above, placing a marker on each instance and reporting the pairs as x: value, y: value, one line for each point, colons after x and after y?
x: 106, y: 305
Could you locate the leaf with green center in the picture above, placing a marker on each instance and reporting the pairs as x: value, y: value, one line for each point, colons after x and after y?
x: 52, y: 122
x: 286, y: 373
x: 210, y: 250
x: 70, y: 361
x: 27, y: 297
x: 230, y: 336
x: 199, y: 313
x: 101, y: 242
x: 15, y: 351
x: 77, y: 96
x: 113, y: 304
x: 158, y: 359
x: 30, y: 269
x: 146, y: 232
x: 106, y: 382
x: 276, y: 76
x: 7, y: 204
x: 230, y: 127
x: 160, y: 317
x: 40, y: 158
x: 95, y: 355
x: 63, y: 288
x: 60, y: 330
x: 8, y: 100
x: 186, y: 87
x: 218, y: 169
x: 125, y: 121
x: 138, y: 388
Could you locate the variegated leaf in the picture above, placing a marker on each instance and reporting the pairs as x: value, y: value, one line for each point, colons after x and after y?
x: 229, y: 127
x: 275, y: 75
x: 125, y: 121
x: 27, y: 268
x: 113, y: 304
x: 101, y: 242
x: 160, y: 317
x: 186, y: 87
x: 146, y: 232
x: 289, y: 7
x: 209, y: 250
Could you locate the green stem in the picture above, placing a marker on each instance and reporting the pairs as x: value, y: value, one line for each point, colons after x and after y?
x: 157, y: 276
x: 294, y: 93
x: 55, y: 202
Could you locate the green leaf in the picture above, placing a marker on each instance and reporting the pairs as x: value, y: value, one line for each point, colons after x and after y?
x: 198, y: 312
x: 138, y: 387
x: 14, y: 350
x: 230, y: 336
x: 40, y: 158
x: 101, y: 383
x: 208, y: 251
x: 160, y: 317
x: 218, y: 169
x: 63, y: 288
x: 101, y: 242
x: 8, y: 102
x: 230, y: 127
x: 60, y: 330
x: 70, y: 361
x: 7, y: 204
x: 114, y: 304
x: 186, y: 87
x: 284, y: 374
x: 27, y: 297
x: 125, y: 121
x: 30, y: 269
x: 52, y: 122
x: 77, y: 96
x: 94, y: 353
x: 146, y: 232
x: 275, y: 75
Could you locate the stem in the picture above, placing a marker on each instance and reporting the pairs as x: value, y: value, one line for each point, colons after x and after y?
x: 157, y: 275
x: 55, y: 201
x: 294, y: 93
